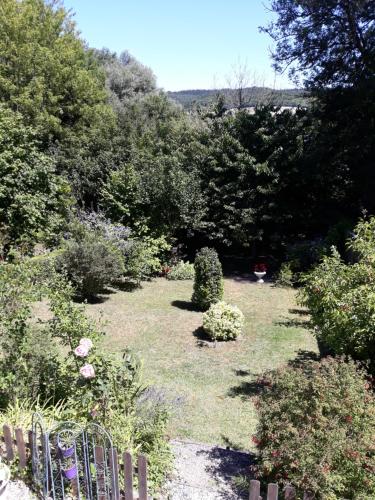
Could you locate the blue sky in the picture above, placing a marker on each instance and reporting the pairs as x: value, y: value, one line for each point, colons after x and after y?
x: 189, y: 45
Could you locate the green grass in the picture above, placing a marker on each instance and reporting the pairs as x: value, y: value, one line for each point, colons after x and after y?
x: 216, y: 383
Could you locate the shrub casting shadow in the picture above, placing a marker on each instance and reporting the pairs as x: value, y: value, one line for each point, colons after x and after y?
x: 185, y: 305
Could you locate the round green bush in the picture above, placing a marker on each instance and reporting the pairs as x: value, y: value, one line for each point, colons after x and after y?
x: 316, y: 429
x: 208, y: 283
x: 223, y: 321
x: 91, y: 263
x: 181, y: 271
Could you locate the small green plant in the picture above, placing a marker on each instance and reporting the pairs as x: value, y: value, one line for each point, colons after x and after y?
x: 223, y: 321
x: 316, y: 429
x: 208, y: 283
x: 181, y: 271
x: 285, y: 276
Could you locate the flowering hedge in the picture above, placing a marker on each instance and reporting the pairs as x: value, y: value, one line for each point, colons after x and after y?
x: 223, y: 321
x: 316, y: 429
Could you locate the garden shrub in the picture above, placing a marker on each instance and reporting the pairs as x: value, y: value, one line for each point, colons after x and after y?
x: 144, y: 256
x: 181, y: 271
x: 223, y: 321
x: 316, y: 429
x: 285, y: 277
x: 208, y: 283
x: 341, y: 298
x: 91, y: 263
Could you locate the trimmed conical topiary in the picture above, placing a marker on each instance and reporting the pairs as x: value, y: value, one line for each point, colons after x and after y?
x: 208, y: 283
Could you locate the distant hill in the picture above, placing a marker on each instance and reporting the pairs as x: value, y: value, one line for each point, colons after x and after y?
x: 253, y: 96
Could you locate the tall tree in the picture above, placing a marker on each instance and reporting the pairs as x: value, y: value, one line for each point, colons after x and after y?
x: 33, y: 198
x: 46, y: 73
x: 330, y: 42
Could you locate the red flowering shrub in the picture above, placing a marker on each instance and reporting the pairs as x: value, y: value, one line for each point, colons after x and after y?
x: 317, y: 429
x: 260, y: 268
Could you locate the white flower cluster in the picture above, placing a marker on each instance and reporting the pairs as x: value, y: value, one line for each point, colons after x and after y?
x: 223, y: 321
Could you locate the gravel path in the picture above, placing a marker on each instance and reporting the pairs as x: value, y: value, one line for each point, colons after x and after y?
x: 17, y: 490
x: 204, y: 472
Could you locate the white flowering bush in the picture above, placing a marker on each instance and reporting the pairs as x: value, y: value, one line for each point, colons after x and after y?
x: 223, y: 321
x: 181, y: 271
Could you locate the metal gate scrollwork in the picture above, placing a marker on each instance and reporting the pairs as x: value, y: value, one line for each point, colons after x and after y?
x: 71, y: 461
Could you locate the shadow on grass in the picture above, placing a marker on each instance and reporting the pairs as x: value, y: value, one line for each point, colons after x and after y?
x: 241, y: 373
x: 300, y: 312
x: 185, y: 305
x: 203, y: 340
x: 100, y: 298
x: 294, y: 323
x: 247, y: 390
x: 127, y: 286
x: 241, y: 278
x: 304, y: 357
x: 225, y: 465
x: 96, y: 299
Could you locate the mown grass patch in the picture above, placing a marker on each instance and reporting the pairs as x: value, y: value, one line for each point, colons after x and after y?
x: 218, y: 383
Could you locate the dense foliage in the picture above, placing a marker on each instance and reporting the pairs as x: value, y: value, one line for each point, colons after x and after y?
x: 223, y: 321
x: 181, y: 271
x: 316, y: 429
x: 208, y: 282
x: 340, y: 297
x: 34, y: 200
x: 90, y: 263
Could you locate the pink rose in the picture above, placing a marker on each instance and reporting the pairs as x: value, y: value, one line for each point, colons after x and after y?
x: 86, y: 343
x: 81, y: 351
x: 87, y: 371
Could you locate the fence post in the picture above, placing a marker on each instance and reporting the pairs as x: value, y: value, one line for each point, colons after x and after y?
x: 142, y: 477
x: 272, y: 491
x: 289, y: 493
x: 113, y: 462
x: 254, y: 490
x: 21, y: 448
x: 100, y: 473
x: 128, y: 474
x: 8, y: 439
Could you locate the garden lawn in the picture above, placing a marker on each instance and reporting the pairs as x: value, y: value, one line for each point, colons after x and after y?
x: 217, y: 383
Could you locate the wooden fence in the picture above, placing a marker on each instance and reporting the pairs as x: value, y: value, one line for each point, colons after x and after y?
x: 17, y: 447
x: 289, y: 493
